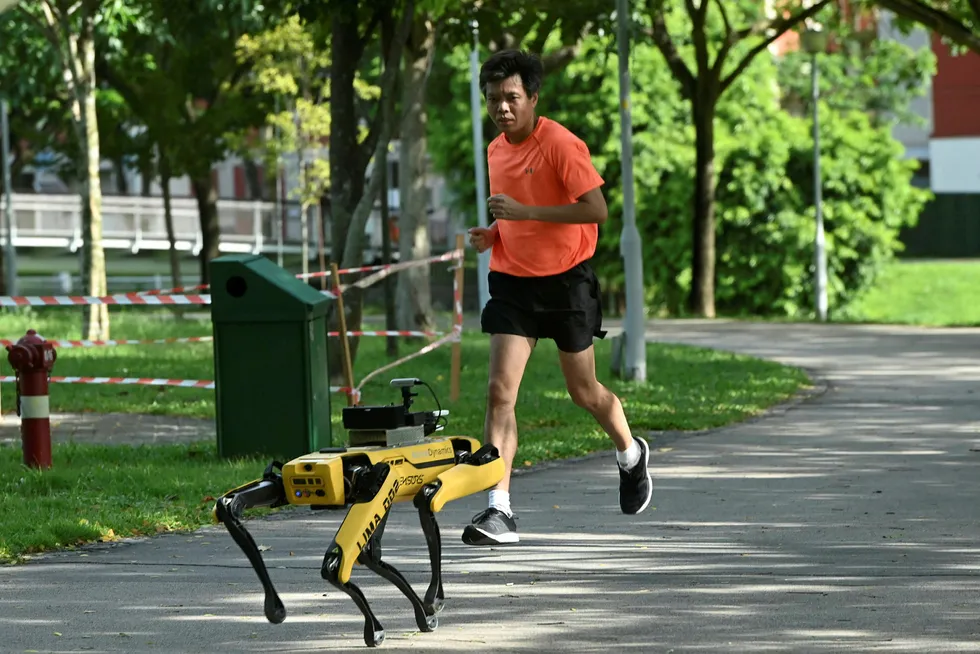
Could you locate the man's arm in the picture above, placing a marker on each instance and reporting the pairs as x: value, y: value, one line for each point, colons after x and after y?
x: 590, y: 208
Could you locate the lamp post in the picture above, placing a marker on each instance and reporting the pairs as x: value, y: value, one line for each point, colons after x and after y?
x: 9, y: 253
x: 814, y: 42
x: 479, y: 164
x: 630, y: 243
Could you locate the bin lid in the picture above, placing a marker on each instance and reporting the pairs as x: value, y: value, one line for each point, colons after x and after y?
x: 251, y: 287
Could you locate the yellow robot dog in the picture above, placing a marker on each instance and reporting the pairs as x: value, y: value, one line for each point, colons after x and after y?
x: 392, y: 457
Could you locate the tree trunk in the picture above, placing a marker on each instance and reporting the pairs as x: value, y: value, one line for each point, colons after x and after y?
x: 122, y: 183
x: 414, y: 288
x: 252, y: 180
x: 391, y: 320
x: 350, y: 202
x: 146, y: 180
x: 97, y: 316
x: 207, y: 209
x: 701, y: 301
x: 346, y: 53
x: 168, y: 218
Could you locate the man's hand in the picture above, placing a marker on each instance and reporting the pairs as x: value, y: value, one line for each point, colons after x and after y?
x: 481, y: 238
x: 504, y: 207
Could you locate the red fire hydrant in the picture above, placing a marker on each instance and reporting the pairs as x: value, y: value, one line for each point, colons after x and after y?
x: 32, y: 359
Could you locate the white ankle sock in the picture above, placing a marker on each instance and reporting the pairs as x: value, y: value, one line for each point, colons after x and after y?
x: 630, y: 457
x: 500, y: 500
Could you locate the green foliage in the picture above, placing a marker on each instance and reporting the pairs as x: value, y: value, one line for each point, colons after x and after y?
x: 286, y: 62
x: 32, y: 81
x: 176, y: 67
x: 881, y: 77
x: 766, y: 225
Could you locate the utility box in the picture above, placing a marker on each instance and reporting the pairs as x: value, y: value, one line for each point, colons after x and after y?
x: 272, y: 384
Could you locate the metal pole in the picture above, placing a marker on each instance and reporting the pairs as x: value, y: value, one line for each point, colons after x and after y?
x: 630, y: 245
x: 279, y: 224
x: 820, y: 251
x: 9, y: 253
x: 479, y: 164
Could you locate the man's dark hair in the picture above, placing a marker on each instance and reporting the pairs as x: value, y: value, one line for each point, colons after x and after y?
x: 506, y: 63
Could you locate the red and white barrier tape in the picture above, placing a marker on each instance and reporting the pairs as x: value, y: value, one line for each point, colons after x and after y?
x: 325, y: 273
x: 151, y: 341
x: 392, y: 267
x: 179, y: 289
x: 121, y: 299
x: 448, y: 338
x: 204, y: 339
x: 389, y: 333
x: 142, y: 381
x: 148, y: 381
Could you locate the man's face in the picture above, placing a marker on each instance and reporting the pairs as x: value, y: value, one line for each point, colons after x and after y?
x: 510, y: 109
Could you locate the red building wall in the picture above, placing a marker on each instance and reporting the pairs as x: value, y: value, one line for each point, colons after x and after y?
x: 955, y: 93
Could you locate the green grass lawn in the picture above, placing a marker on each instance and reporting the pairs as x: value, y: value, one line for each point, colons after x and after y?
x: 97, y: 492
x: 933, y: 293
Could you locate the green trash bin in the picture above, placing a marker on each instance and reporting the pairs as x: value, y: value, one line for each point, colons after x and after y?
x: 272, y: 384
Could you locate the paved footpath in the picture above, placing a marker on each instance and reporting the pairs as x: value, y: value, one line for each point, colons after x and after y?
x: 848, y: 522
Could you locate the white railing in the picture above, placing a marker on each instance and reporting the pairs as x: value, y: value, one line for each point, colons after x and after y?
x: 137, y: 223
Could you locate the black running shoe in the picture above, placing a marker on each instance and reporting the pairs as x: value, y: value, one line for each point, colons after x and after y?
x: 636, y: 484
x: 491, y: 527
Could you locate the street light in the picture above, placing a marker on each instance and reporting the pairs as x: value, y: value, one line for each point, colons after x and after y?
x: 479, y: 164
x: 10, y: 263
x: 814, y: 42
x: 630, y: 243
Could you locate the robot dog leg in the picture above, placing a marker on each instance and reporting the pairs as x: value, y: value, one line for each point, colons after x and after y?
x: 473, y: 472
x: 267, y: 492
x: 359, y: 537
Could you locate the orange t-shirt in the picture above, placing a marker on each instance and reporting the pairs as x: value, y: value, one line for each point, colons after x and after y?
x: 549, y: 168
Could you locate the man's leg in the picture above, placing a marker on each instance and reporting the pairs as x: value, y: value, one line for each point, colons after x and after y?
x: 588, y: 393
x: 509, y: 354
x: 633, y: 454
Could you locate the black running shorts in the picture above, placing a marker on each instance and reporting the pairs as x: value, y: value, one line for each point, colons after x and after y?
x: 565, y: 307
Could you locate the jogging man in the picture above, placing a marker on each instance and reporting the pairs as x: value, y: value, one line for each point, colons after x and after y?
x: 547, y: 207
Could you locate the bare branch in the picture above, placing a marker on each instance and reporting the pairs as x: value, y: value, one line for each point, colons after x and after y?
x: 48, y: 26
x: 557, y: 60
x: 545, y: 29
x: 725, y: 20
x: 700, y: 39
x: 726, y: 45
x: 663, y: 41
x: 937, y: 21
x: 57, y: 33
x: 779, y: 27
x: 380, y: 10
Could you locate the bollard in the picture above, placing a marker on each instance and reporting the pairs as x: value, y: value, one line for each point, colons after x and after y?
x: 32, y: 359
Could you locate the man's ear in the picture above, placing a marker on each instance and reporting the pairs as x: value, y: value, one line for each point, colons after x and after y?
x: 534, y: 100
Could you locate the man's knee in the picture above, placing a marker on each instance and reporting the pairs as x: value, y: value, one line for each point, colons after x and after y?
x: 501, y: 394
x: 586, y: 394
